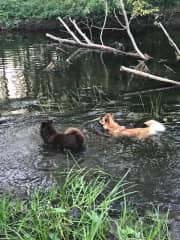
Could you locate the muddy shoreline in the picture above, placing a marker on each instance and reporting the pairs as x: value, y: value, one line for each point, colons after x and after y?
x: 139, y: 24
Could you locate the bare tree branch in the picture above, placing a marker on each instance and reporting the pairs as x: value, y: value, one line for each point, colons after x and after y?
x: 144, y: 57
x: 148, y: 75
x: 61, y: 40
x: 93, y: 46
x: 104, y: 23
x: 141, y: 66
x: 128, y: 94
x: 118, y: 20
x: 171, y: 42
x: 89, y: 44
x: 80, y: 32
x: 76, y: 54
x: 106, y: 73
x: 69, y: 30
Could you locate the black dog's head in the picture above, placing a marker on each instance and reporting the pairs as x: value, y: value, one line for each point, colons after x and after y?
x: 46, y: 124
x: 47, y: 130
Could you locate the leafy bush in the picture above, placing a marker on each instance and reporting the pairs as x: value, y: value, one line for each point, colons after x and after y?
x: 142, y: 7
x: 13, y: 10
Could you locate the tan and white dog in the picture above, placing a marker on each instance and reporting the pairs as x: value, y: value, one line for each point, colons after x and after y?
x: 116, y: 130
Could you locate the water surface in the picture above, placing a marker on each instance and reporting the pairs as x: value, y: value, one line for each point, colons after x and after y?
x: 39, y: 81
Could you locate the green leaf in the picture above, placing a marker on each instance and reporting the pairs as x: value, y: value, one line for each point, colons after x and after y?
x: 59, y: 210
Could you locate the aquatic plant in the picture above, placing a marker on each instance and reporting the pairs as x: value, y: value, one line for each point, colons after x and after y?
x: 152, y: 105
x: 78, y: 209
x: 84, y: 97
x: 156, y: 106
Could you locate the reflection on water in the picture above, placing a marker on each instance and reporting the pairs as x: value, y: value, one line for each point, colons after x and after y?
x: 29, y: 68
x: 34, y: 72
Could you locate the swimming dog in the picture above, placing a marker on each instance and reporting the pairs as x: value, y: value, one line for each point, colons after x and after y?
x: 72, y: 139
x: 116, y: 130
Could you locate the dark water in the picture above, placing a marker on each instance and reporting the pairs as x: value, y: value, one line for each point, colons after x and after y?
x: 39, y: 80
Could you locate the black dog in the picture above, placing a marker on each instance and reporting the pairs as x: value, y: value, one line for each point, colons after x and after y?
x: 72, y: 139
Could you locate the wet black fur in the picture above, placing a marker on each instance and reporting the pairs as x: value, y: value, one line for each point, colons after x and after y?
x: 71, y: 141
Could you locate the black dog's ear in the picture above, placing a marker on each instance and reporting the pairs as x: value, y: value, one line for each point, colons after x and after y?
x: 47, y: 121
x: 43, y: 124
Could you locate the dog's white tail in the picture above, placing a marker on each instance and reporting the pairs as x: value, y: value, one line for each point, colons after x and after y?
x: 156, y: 126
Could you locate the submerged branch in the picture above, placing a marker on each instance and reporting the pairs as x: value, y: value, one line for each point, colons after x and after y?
x: 143, y: 92
x: 148, y: 75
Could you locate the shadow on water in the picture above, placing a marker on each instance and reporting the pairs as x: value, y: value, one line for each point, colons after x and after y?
x: 76, y: 94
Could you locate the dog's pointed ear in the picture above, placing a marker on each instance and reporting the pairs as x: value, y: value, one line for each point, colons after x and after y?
x: 110, y: 115
x: 106, y: 118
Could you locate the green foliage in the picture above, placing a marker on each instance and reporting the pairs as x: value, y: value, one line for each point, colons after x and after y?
x: 79, y: 209
x: 164, y: 3
x: 142, y: 7
x: 13, y: 11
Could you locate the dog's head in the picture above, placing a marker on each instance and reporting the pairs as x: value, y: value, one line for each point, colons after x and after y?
x: 46, y: 124
x: 106, y: 120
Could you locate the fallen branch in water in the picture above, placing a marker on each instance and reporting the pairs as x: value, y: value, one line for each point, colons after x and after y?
x: 87, y: 43
x: 145, y: 92
x: 148, y: 75
x: 80, y: 39
x: 171, y: 42
x: 91, y: 45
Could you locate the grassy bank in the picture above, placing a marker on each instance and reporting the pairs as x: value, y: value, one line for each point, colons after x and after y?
x: 13, y: 12
x: 79, y: 209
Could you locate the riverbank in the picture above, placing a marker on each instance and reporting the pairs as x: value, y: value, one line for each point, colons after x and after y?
x: 139, y: 25
x: 80, y: 209
x: 42, y: 15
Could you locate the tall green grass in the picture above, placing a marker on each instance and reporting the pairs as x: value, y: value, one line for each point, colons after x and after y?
x: 153, y: 105
x: 86, y: 96
x: 79, y: 209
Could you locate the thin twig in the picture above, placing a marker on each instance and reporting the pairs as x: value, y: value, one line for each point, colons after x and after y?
x: 104, y: 23
x: 171, y: 42
x: 118, y: 20
x: 129, y: 32
x: 128, y: 94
